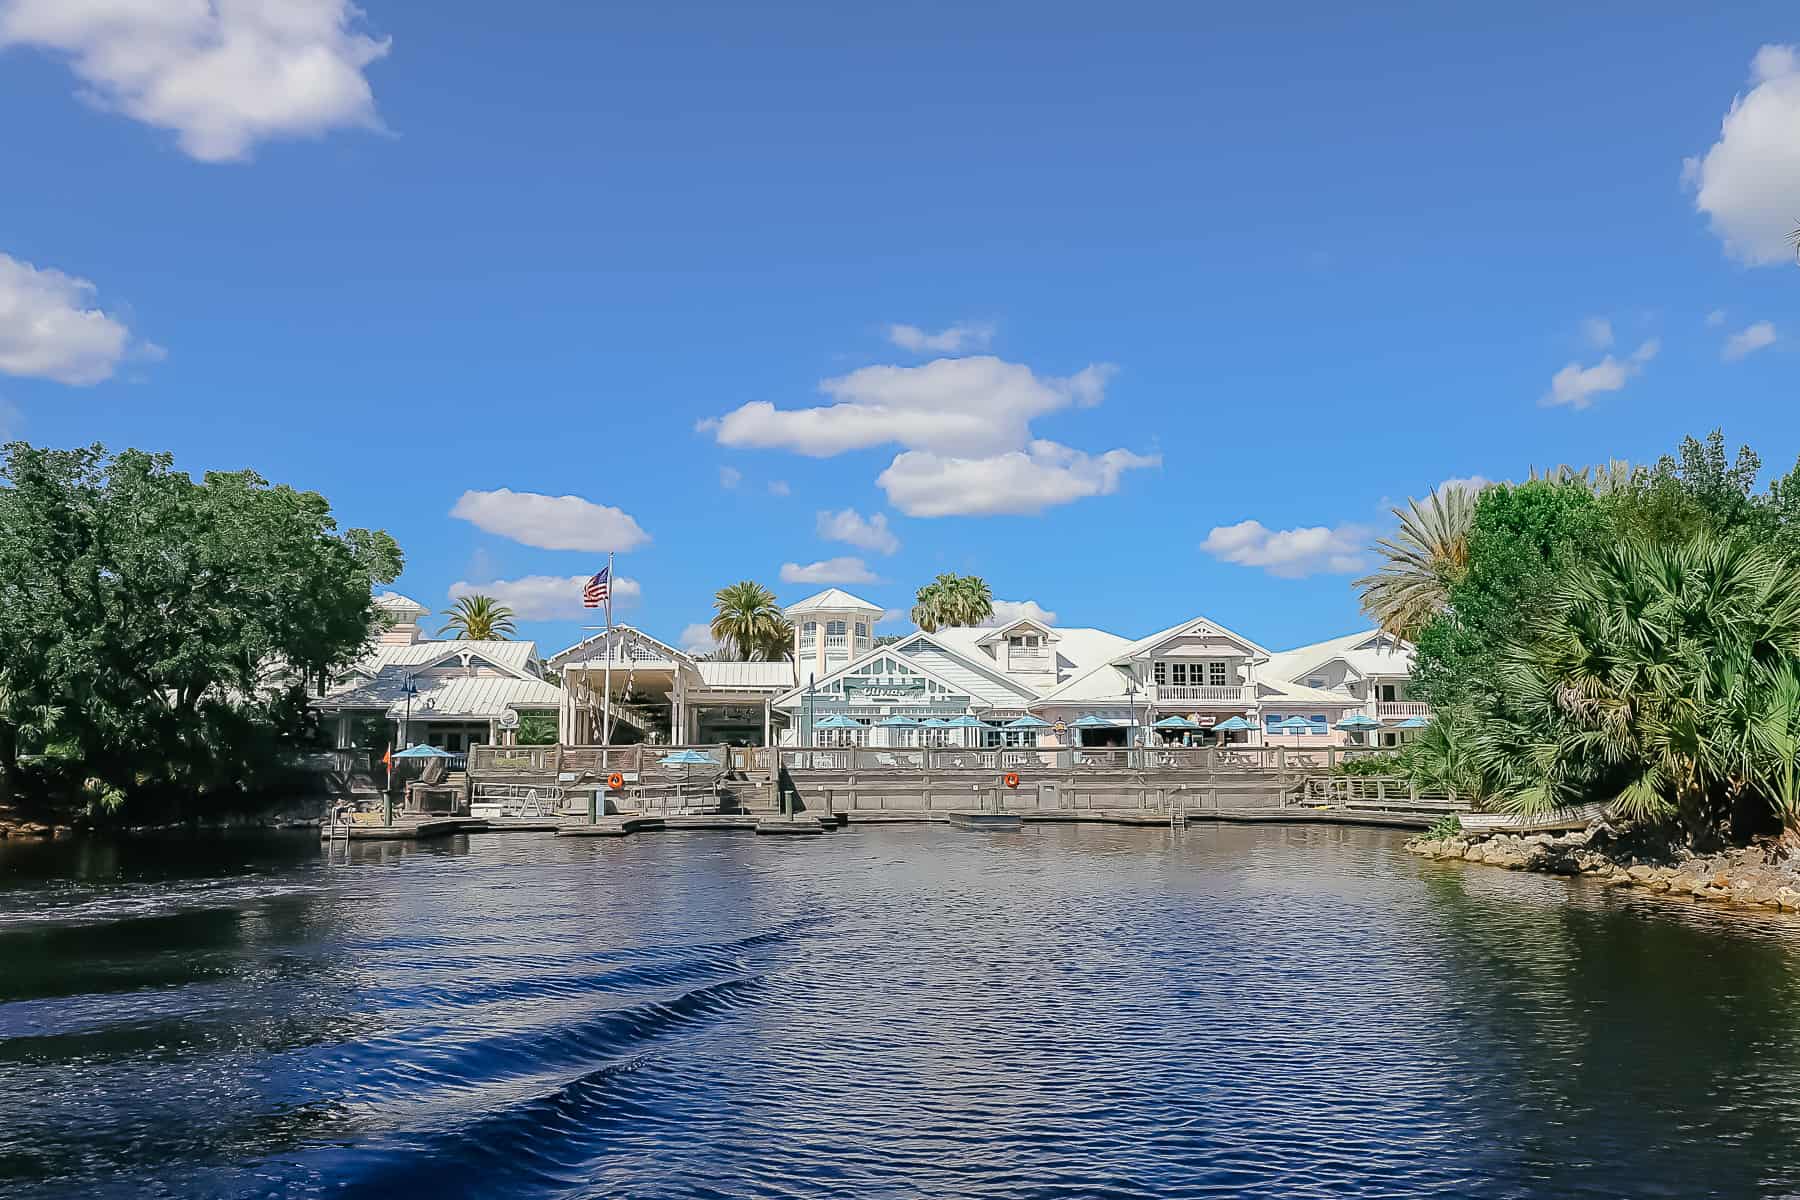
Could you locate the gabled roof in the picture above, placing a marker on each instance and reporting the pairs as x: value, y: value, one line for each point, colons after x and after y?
x: 1001, y: 632
x: 476, y: 696
x: 1282, y: 691
x: 572, y: 653
x: 893, y: 651
x: 970, y: 672
x: 1104, y: 681
x: 1081, y: 648
x: 515, y: 658
x: 832, y: 599
x: 1361, y: 652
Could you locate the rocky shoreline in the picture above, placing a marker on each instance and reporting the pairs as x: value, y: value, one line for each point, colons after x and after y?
x: 1758, y: 876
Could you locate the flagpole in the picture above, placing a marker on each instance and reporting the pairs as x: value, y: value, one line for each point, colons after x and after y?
x: 606, y: 710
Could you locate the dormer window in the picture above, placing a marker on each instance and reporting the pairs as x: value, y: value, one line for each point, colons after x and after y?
x: 862, y: 631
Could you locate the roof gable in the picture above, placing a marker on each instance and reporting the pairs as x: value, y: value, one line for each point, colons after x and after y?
x: 855, y: 665
x: 627, y: 635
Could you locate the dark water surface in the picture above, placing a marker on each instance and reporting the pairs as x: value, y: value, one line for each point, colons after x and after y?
x: 1063, y: 1012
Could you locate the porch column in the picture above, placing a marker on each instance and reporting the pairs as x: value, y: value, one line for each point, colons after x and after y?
x: 768, y: 722
x: 343, y: 731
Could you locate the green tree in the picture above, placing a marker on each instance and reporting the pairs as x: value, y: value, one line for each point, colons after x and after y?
x: 158, y: 635
x: 1520, y: 543
x: 748, y: 621
x: 951, y: 600
x: 1420, y: 563
x: 1655, y: 679
x: 479, y: 619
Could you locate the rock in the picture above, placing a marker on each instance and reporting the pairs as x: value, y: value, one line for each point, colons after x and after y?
x: 1788, y: 899
x: 1721, y: 880
x: 1642, y: 874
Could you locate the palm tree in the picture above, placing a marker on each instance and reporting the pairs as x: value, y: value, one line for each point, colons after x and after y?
x: 952, y: 599
x: 747, y: 620
x: 478, y: 619
x: 1661, y: 679
x: 1430, y: 552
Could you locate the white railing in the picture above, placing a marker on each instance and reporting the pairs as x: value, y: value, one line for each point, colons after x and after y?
x: 837, y: 641
x: 809, y: 645
x: 1234, y: 693
x: 1402, y: 708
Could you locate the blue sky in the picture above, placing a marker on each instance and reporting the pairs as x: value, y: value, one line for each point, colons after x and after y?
x: 1161, y: 272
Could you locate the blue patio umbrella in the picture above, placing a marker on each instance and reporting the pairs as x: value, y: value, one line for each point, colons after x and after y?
x: 936, y: 723
x: 1028, y: 722
x: 424, y: 752
x: 1093, y: 722
x: 1175, y: 722
x: 964, y: 722
x: 1413, y: 723
x: 1233, y: 725
x: 1356, y: 721
x: 1296, y: 725
x: 898, y: 722
x: 836, y: 721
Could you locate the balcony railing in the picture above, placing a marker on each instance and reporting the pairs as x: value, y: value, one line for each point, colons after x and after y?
x: 1188, y: 693
x: 836, y: 641
x: 1402, y: 708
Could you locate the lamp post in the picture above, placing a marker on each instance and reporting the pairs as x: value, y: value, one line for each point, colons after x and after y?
x: 1131, y: 689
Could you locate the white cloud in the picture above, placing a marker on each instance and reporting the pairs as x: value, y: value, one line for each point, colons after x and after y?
x: 1008, y: 611
x: 830, y: 570
x: 50, y: 330
x: 1598, y: 331
x: 779, y: 487
x: 1576, y: 385
x: 923, y: 484
x: 979, y: 405
x: 550, y: 522
x: 547, y: 597
x: 851, y: 527
x: 222, y: 74
x: 1748, y: 341
x: 1290, y: 553
x: 1749, y: 181
x: 1715, y: 318
x: 895, y: 616
x: 730, y: 477
x: 697, y: 638
x: 1465, y: 483
x: 947, y: 341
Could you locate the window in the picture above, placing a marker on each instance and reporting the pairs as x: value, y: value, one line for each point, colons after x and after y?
x: 1315, y: 681
x: 1320, y: 726
x: 1215, y: 673
x: 862, y: 630
x: 1272, y: 722
x: 1178, y: 673
x: 834, y: 629
x: 1157, y: 672
x: 810, y: 630
x: 1386, y: 692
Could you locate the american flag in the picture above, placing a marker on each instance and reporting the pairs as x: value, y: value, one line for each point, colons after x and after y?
x: 598, y: 590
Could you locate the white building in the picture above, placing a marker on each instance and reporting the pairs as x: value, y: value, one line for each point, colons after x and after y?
x: 1022, y: 683
x: 1030, y: 683
x: 410, y: 690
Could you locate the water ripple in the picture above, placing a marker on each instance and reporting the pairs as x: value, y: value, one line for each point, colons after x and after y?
x: 1065, y: 1012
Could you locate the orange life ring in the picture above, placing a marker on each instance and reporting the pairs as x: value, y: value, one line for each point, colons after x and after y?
x: 1012, y: 779
x: 614, y: 782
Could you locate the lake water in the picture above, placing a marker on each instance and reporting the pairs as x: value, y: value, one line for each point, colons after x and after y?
x: 889, y: 1012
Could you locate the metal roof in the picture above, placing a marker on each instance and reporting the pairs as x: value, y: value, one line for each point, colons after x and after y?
x: 831, y: 599
x: 763, y: 676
